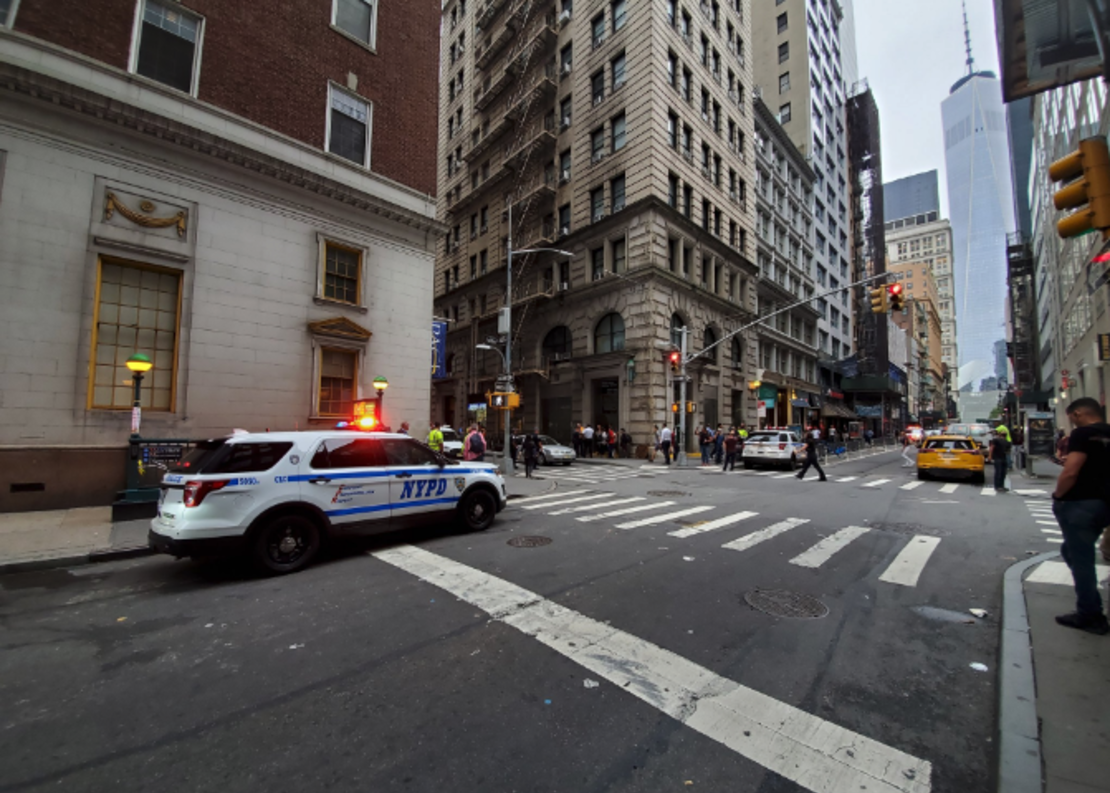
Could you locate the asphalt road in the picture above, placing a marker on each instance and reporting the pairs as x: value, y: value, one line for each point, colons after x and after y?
x: 611, y: 659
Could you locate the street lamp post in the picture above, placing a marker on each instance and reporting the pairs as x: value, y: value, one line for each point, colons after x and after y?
x: 380, y: 385
x: 506, y: 462
x: 138, y: 364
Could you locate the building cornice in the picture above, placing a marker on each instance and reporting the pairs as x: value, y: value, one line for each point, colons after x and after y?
x: 100, y: 106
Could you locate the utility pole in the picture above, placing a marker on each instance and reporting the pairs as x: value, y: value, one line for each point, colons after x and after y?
x: 506, y: 457
x: 680, y: 455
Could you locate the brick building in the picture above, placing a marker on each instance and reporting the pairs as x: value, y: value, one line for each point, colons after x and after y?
x: 242, y: 192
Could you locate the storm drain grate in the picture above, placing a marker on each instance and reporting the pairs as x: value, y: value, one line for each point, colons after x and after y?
x: 529, y: 542
x: 791, y: 605
x: 667, y: 493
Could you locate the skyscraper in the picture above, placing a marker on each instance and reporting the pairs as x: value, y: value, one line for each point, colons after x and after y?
x: 980, y: 203
x: 911, y: 196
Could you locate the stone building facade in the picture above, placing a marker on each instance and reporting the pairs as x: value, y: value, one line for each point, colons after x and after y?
x: 618, y: 137
x: 271, y: 259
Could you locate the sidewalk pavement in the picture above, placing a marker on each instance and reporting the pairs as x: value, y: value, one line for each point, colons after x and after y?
x: 52, y: 538
x: 1054, y: 686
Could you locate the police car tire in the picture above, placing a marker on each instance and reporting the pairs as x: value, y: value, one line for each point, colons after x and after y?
x: 267, y: 548
x: 748, y: 465
x: 477, y: 509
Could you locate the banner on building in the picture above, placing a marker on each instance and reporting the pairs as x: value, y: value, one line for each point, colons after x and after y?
x: 439, y: 350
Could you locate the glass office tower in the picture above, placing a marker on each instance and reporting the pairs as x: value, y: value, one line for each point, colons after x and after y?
x: 981, y: 208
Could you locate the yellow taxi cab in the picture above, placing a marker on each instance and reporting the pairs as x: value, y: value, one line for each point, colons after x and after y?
x: 957, y: 455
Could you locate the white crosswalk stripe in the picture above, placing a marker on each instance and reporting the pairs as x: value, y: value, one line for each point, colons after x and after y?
x: 1056, y: 532
x: 670, y: 516
x: 1047, y: 523
x: 784, y: 476
x: 988, y: 491
x: 950, y: 488
x: 907, y: 566
x: 756, y: 537
x: 912, y: 485
x: 876, y: 483
x: 576, y: 498
x: 824, y: 550
x: 588, y: 507
x: 628, y: 511
x: 847, y: 479
x: 547, y: 497
x: 712, y: 525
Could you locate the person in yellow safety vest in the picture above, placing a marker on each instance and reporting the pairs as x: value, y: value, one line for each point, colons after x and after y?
x: 435, y: 438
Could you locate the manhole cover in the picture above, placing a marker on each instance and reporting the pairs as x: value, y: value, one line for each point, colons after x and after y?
x: 791, y: 605
x: 666, y: 493
x: 529, y: 542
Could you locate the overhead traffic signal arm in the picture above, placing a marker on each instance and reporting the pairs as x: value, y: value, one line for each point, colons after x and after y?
x: 1090, y: 167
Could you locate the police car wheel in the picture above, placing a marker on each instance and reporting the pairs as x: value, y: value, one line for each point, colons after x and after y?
x: 286, y: 544
x: 478, y: 510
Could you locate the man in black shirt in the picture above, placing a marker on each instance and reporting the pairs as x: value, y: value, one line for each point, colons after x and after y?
x: 1081, y: 504
x: 1000, y: 456
x: 811, y: 458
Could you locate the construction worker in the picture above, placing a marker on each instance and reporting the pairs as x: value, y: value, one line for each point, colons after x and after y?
x: 435, y: 438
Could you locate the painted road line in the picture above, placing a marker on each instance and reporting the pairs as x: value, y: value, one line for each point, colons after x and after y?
x: 1047, y: 523
x: 847, y: 479
x: 1030, y: 492
x: 907, y: 566
x: 912, y: 485
x: 765, y: 473
x: 815, y: 754
x: 1055, y: 532
x: 950, y: 488
x: 988, y: 490
x: 627, y: 511
x: 666, y: 518
x: 876, y: 483
x: 824, y: 550
x: 756, y: 537
x: 784, y: 476
x: 712, y: 525
x: 576, y: 498
x: 588, y: 507
x: 548, y: 497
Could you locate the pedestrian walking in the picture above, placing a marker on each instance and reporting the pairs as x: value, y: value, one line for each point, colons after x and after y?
x: 1000, y: 456
x: 731, y: 443
x: 655, y: 441
x: 665, y: 443
x: 601, y: 441
x: 705, y: 439
x: 626, y: 444
x: 811, y: 459
x: 587, y: 441
x: 719, y: 444
x: 869, y: 436
x: 576, y: 439
x: 612, y: 443
x: 531, y: 447
x: 1081, y: 503
x: 907, y: 444
x: 474, y: 446
x: 513, y: 450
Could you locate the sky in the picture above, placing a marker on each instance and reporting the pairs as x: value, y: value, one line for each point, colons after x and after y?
x: 911, y: 52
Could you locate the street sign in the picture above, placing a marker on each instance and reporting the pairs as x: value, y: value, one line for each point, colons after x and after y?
x: 493, y: 340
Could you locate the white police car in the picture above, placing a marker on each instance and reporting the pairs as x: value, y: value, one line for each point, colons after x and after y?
x: 277, y: 496
x: 773, y: 446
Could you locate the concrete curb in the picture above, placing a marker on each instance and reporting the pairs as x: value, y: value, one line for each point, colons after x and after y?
x: 1019, y: 749
x: 552, y: 486
x: 72, y: 560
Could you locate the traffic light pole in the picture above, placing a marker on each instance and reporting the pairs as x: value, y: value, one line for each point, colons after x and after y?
x: 680, y: 453
x: 506, y: 449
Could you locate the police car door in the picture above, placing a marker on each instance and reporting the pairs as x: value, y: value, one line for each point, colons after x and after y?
x: 420, y: 490
x: 348, y: 481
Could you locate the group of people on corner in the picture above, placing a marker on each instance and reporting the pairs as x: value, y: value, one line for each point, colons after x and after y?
x: 720, y: 446
x: 601, y: 441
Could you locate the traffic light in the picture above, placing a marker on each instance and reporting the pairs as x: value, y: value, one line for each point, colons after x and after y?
x: 674, y: 407
x: 1091, y: 192
x: 879, y: 304
x: 675, y: 359
x: 897, y: 299
x: 504, y: 401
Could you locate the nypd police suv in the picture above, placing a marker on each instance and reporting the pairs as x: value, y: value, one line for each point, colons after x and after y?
x: 774, y: 446
x: 277, y: 496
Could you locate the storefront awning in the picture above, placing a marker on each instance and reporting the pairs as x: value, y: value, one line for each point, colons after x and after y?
x: 800, y: 403
x: 832, y: 410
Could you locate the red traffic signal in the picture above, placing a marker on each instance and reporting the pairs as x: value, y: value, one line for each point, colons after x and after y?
x: 675, y: 358
x: 896, y: 297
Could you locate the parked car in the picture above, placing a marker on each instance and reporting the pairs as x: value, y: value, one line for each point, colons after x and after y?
x: 552, y: 453
x: 773, y: 447
x: 452, y: 443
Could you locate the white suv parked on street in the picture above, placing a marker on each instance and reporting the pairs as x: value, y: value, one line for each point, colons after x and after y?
x: 778, y: 447
x: 277, y: 496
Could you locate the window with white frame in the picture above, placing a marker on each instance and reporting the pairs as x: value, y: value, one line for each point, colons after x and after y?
x: 167, y: 44
x: 349, y: 126
x: 357, y: 18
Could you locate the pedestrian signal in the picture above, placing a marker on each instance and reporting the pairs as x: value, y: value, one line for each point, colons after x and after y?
x: 1089, y: 167
x: 504, y: 401
x: 897, y: 298
x: 879, y: 304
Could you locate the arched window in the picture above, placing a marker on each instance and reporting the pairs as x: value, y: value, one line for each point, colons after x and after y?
x: 737, y: 353
x: 709, y: 339
x: 557, y: 344
x: 609, y: 334
x: 676, y: 330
